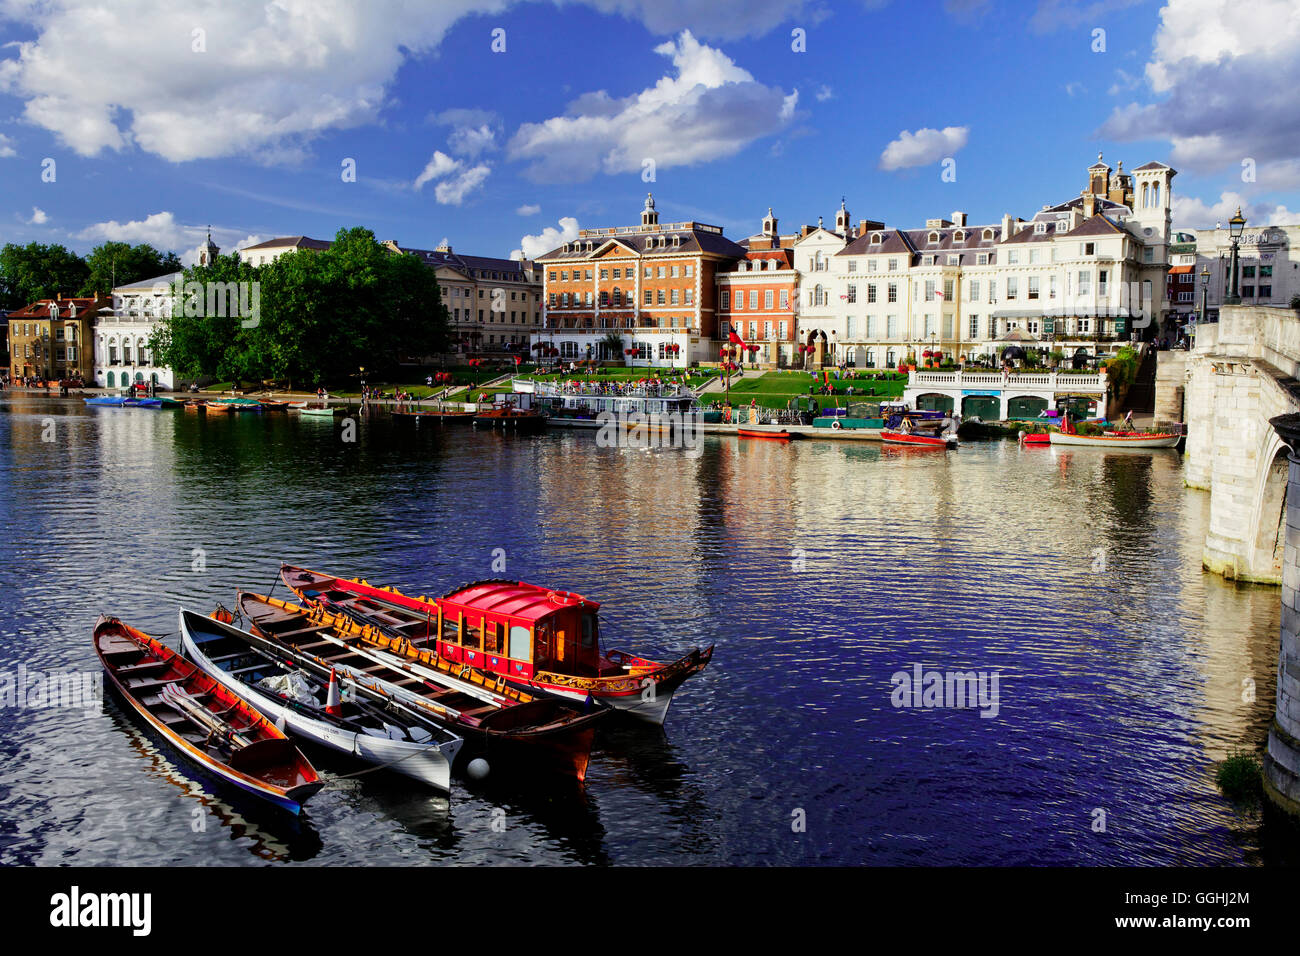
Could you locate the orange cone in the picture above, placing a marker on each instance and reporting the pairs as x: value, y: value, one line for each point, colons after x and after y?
x: 333, y: 705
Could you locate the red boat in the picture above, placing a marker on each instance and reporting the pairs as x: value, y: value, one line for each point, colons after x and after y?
x: 781, y: 435
x: 1036, y: 438
x: 917, y: 439
x: 207, y: 724
x: 531, y: 636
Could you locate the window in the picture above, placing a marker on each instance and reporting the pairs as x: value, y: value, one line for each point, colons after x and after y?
x: 1148, y: 254
x: 767, y: 299
x: 871, y: 265
x: 551, y: 275
x: 982, y: 259
x: 690, y: 271
x: 852, y: 295
x: 659, y: 296
x: 649, y: 272
x: 974, y: 326
x: 1085, y: 283
x: 930, y: 328
x: 1013, y: 257
x: 954, y: 260
x: 853, y: 265
x: 1033, y: 257
x: 1248, y: 292
x: 891, y: 331
x: 1033, y: 288
x: 929, y: 290
x: 663, y: 272
x: 753, y: 299
x: 753, y: 330
x: 672, y: 297
x: 893, y: 265
x: 564, y: 275
x: 785, y: 300
x: 933, y: 237
x: 1087, y: 248
x: 1040, y: 228
x: 1051, y: 287
x: 740, y: 300
x: 1085, y: 326
x: 848, y: 327
x: 974, y: 290
x: 724, y: 303
x: 1101, y: 282
x: 927, y: 260
x: 1265, y: 292
x: 1248, y: 272
x: 948, y: 289
x: 1265, y: 272
x: 891, y: 293
x: 871, y: 292
x: 871, y: 327
x: 1013, y: 287
x: 690, y: 296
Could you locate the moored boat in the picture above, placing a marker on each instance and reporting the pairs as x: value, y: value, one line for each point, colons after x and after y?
x: 202, y: 720
x: 219, y: 407
x: 774, y: 434
x: 416, y: 747
x: 507, y: 417
x: 1118, y: 440
x: 318, y: 411
x: 493, y: 717
x: 531, y: 636
x: 917, y: 439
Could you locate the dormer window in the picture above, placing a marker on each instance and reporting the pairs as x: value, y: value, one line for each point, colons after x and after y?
x: 650, y: 242
x: 934, y: 237
x: 1062, y: 225
x: 987, y: 235
x: 959, y: 235
x: 875, y: 238
x: 677, y: 241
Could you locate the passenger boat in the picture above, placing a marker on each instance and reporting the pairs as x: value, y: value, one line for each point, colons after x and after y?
x: 493, y: 717
x: 204, y: 721
x: 531, y: 636
x: 300, y: 703
x: 592, y: 404
x: 507, y: 417
x: 1118, y: 440
x: 781, y: 435
x: 918, y: 439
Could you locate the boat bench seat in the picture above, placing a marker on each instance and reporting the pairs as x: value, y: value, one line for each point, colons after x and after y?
x: 302, y: 630
x: 151, y: 684
x: 143, y: 666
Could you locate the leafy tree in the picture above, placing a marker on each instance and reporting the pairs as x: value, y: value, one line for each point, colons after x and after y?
x: 323, y: 316
x: 37, y: 271
x: 118, y: 263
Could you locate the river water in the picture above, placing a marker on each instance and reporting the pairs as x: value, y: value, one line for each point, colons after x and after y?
x: 819, y: 569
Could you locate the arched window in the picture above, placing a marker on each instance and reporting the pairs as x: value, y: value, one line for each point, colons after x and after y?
x: 110, y: 380
x: 1155, y: 195
x: 618, y: 297
x: 819, y: 295
x: 934, y: 237
x: 1146, y: 194
x: 987, y: 235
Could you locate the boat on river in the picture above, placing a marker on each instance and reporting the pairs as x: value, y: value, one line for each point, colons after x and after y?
x: 123, y: 401
x: 318, y: 411
x: 300, y: 702
x: 584, y: 404
x: 770, y: 434
x: 205, y: 722
x: 918, y: 439
x: 1118, y: 439
x: 495, y: 718
x: 435, y: 415
x: 530, y: 636
x: 506, y: 416
x: 239, y: 404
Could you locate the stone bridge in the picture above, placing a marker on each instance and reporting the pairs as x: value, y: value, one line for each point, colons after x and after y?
x: 1241, y: 373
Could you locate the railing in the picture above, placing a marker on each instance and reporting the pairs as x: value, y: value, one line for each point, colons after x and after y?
x: 1056, y: 381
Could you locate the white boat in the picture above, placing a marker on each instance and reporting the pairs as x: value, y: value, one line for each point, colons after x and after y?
x: 296, y: 700
x: 588, y: 405
x: 1117, y: 440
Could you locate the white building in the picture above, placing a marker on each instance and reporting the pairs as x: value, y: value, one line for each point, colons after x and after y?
x: 272, y: 249
x: 1268, y: 268
x: 122, y: 353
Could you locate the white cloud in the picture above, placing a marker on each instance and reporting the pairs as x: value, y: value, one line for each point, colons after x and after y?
x: 39, y: 218
x: 824, y: 94
x: 923, y: 147
x: 1222, y: 89
x: 529, y: 209
x: 457, y: 180
x: 549, y: 238
x: 163, y: 232
x: 709, y: 108
x: 439, y: 165
x: 1190, y: 212
x: 1054, y: 15
x: 452, y: 192
x: 473, y: 131
x: 273, y: 76
x: 6, y: 147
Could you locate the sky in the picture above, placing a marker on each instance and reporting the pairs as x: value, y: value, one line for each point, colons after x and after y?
x: 502, y: 127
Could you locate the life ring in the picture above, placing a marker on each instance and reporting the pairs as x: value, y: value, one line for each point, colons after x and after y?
x: 836, y: 424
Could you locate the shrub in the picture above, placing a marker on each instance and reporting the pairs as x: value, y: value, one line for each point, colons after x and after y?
x: 1239, y: 777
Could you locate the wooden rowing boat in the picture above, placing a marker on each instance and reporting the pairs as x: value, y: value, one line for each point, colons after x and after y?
x: 781, y: 435
x: 205, y: 722
x: 535, y: 638
x: 1118, y: 440
x: 318, y: 411
x: 418, y: 748
x: 1035, y: 439
x: 219, y: 407
x: 493, y: 717
x: 917, y: 439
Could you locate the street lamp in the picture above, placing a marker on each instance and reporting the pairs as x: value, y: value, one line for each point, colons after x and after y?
x: 1235, y: 226
x: 1205, y: 289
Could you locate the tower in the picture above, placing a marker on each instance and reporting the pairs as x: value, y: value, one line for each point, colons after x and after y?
x: 649, y: 217
x: 208, y: 252
x: 1099, y: 177
x: 769, y: 224
x: 1153, y: 200
x: 842, y: 219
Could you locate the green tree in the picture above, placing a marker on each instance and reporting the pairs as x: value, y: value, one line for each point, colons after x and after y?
x: 37, y: 271
x: 194, y: 343
x: 118, y: 263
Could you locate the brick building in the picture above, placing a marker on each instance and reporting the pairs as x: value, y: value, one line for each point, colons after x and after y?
x: 52, y: 339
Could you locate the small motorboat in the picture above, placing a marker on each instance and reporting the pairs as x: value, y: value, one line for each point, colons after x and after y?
x: 205, y: 722
x: 781, y: 435
x: 300, y: 702
x: 492, y: 716
x: 917, y: 439
x: 522, y: 621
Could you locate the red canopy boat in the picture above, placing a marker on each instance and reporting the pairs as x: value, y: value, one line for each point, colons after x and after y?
x: 206, y: 723
x: 528, y: 635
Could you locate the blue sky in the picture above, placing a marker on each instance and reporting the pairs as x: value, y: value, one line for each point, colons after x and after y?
x: 162, y: 117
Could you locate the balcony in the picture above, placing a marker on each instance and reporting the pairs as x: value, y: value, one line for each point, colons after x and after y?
x: 1056, y: 381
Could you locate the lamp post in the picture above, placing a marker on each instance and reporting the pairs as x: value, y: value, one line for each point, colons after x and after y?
x: 1205, y: 291
x: 1235, y: 226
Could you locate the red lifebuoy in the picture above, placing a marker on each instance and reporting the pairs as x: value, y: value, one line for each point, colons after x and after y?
x: 836, y: 424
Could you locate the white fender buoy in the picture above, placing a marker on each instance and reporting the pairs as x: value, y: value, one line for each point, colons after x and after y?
x: 477, y: 769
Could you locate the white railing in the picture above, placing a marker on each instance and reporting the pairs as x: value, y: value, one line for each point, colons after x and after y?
x: 1056, y: 381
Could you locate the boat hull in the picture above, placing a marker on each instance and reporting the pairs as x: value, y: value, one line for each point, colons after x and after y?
x: 781, y: 435
x: 1116, y: 441
x: 916, y: 441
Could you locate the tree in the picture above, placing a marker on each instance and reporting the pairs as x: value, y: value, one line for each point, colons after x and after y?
x: 117, y: 263
x: 36, y: 271
x: 323, y: 316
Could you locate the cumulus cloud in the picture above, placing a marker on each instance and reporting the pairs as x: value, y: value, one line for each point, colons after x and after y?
x: 6, y: 147
x: 473, y: 131
x: 549, y: 238
x: 529, y: 209
x: 439, y: 165
x: 707, y: 109
x: 39, y: 218
x: 1221, y: 89
x: 162, y: 231
x: 1190, y: 212
x: 825, y: 93
x: 923, y: 147
x: 458, y: 180
x: 266, y: 79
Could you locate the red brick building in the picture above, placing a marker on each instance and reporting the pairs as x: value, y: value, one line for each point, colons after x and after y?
x: 652, y: 287
x: 758, y: 296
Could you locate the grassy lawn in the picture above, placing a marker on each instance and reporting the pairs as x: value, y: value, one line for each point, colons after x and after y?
x: 775, y: 389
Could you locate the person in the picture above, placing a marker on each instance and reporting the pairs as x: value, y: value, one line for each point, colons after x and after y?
x: 1128, y: 421
x: 905, y: 426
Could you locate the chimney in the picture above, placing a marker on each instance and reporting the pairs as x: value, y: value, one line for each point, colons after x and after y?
x: 1006, y: 226
x: 1089, y: 206
x: 959, y: 219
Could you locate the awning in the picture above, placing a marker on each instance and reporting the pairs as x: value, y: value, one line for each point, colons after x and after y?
x: 1181, y: 270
